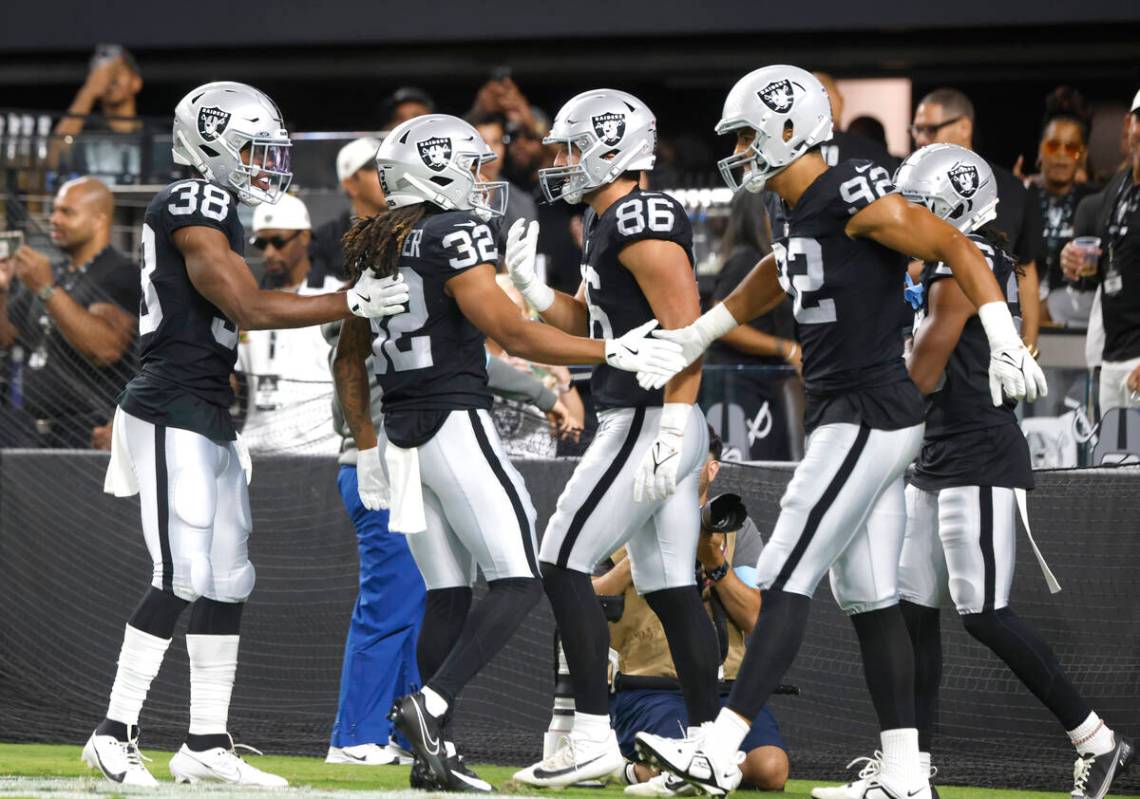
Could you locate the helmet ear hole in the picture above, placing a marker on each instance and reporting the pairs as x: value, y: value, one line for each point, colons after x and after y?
x: 958, y: 211
x: 209, y: 151
x: 440, y: 180
x: 789, y: 129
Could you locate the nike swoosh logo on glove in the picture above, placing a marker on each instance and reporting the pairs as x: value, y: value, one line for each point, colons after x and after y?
x: 657, y: 463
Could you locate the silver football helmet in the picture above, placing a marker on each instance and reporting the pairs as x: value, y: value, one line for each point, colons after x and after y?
x: 234, y: 136
x: 956, y: 184
x: 610, y: 131
x: 436, y: 159
x: 773, y: 100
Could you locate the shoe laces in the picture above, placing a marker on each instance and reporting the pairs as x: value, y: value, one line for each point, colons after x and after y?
x: 1081, y: 770
x: 131, y: 752
x: 871, y: 766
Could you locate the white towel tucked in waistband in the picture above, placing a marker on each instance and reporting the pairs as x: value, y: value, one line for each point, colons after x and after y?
x: 121, y: 479
x: 406, y: 496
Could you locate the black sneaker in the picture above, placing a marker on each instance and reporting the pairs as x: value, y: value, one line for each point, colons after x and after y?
x: 421, y: 776
x: 424, y: 732
x: 1093, y: 774
x: 461, y: 778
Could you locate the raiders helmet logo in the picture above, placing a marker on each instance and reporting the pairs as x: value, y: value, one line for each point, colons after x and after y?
x: 964, y: 179
x: 212, y: 122
x: 435, y: 152
x: 609, y: 127
x: 778, y: 95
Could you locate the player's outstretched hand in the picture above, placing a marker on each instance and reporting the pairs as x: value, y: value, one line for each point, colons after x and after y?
x: 1015, y: 373
x: 693, y: 340
x: 371, y: 482
x: 373, y: 296
x: 656, y: 476
x: 636, y: 352
x: 522, y: 248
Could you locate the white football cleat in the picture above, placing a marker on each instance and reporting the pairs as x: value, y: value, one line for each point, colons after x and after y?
x: 664, y: 784
x: 686, y: 758
x: 220, y: 765
x: 368, y: 755
x: 575, y: 760
x: 120, y: 761
x: 857, y: 787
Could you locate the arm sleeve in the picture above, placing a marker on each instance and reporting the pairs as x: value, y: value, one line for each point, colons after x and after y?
x: 505, y: 381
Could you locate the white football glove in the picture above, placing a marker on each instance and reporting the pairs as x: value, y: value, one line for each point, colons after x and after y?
x: 522, y: 244
x: 636, y: 352
x: 693, y: 340
x: 373, y: 296
x: 371, y: 480
x: 656, y: 476
x: 1013, y: 371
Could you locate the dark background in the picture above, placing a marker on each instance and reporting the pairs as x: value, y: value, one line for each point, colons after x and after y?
x: 330, y: 64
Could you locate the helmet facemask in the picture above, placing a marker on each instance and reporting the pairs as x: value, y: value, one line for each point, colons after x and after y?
x: 571, y: 180
x: 488, y: 198
x: 754, y: 169
x: 263, y: 172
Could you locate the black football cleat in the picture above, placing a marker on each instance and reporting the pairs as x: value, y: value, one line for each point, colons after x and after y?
x: 421, y: 776
x: 1093, y: 774
x: 424, y: 731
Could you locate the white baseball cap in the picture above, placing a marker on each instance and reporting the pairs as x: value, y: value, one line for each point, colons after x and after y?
x: 289, y: 213
x: 354, y: 155
x: 1136, y: 103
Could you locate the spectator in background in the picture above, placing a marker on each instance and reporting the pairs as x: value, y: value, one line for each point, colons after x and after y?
x: 559, y: 250
x: 113, y: 82
x: 74, y: 323
x: 754, y: 405
x: 1114, y: 216
x: 403, y: 104
x: 847, y: 144
x: 356, y: 171
x: 870, y: 128
x: 1061, y: 156
x: 520, y: 204
x: 947, y: 116
x: 287, y: 371
x: 648, y: 696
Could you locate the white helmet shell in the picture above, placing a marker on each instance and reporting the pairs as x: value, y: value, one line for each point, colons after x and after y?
x: 435, y: 158
x: 216, y: 122
x: 956, y: 184
x: 611, y: 131
x: 770, y: 101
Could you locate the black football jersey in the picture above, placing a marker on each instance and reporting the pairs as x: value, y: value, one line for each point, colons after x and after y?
x: 845, y: 294
x: 432, y: 358
x: 968, y: 440
x: 188, y: 346
x: 614, y: 300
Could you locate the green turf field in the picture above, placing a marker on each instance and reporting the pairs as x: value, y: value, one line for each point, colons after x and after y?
x: 42, y: 770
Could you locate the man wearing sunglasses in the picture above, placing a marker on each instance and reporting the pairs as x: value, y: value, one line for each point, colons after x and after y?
x: 286, y: 371
x: 946, y: 116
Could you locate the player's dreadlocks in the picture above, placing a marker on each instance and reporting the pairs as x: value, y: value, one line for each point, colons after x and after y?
x: 376, y: 242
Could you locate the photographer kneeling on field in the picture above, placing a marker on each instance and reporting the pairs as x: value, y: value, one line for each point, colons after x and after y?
x: 647, y: 695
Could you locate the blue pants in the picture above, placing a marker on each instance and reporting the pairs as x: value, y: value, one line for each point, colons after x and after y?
x: 663, y: 713
x: 380, y: 652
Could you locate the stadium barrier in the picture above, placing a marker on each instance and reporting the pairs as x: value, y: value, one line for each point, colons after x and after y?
x: 73, y: 564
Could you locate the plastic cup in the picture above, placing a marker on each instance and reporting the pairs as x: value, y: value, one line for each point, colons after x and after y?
x: 1090, y: 248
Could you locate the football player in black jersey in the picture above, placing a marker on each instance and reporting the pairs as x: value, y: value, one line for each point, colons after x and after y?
x: 841, y: 258
x: 451, y: 486
x: 173, y: 442
x: 961, y: 534
x: 637, y: 483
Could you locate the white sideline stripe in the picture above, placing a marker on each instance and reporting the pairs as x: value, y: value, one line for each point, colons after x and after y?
x: 80, y: 787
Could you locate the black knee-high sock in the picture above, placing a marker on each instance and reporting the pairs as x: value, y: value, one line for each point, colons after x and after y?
x: 585, y: 635
x: 445, y: 613
x: 888, y: 665
x: 925, y: 630
x: 772, y: 648
x: 489, y: 627
x: 693, y: 643
x: 1031, y: 659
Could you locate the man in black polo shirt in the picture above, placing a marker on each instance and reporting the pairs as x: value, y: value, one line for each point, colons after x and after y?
x: 946, y: 116
x: 73, y: 323
x: 1114, y: 216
